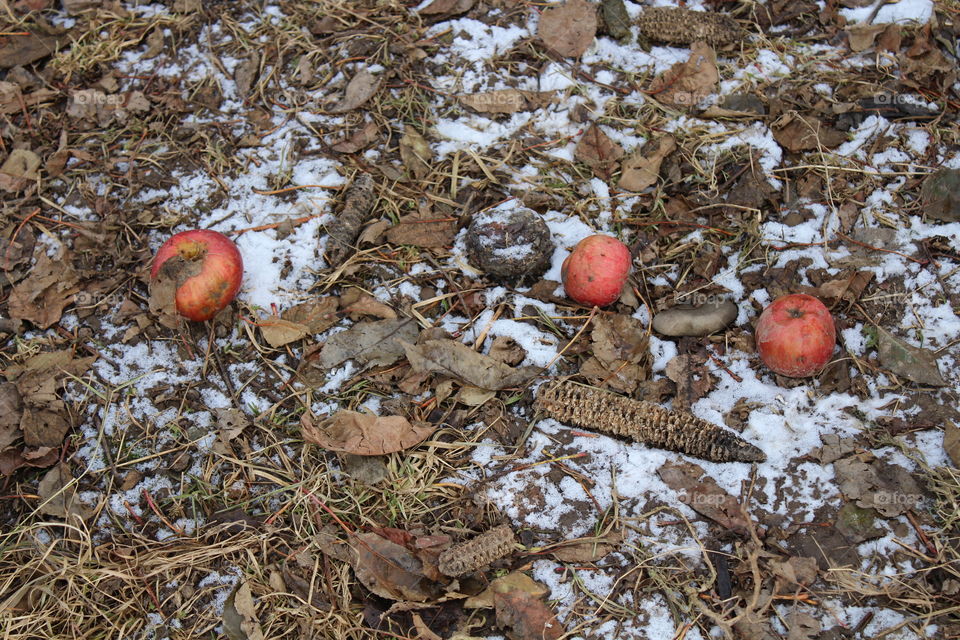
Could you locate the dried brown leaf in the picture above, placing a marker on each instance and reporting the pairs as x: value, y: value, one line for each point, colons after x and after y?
x: 363, y: 434
x: 701, y: 493
x: 849, y: 288
x: 587, y: 549
x: 163, y: 289
x: 686, y: 84
x: 796, y: 133
x: 358, y: 139
x: 515, y: 580
x: 369, y: 343
x: 240, y: 621
x: 596, y: 150
x: 692, y: 378
x: 568, y: 29
x: 278, y: 332
x: 415, y: 153
x: 425, y: 228
x: 888, y: 488
x: 357, y: 304
x: 861, y: 36
x: 317, y: 315
x: 798, y: 570
x: 907, y: 361
x: 19, y: 50
x: 619, y: 349
x: 361, y: 88
x: 641, y: 171
x: 390, y: 570
x: 452, y: 358
x: 58, y: 494
x: 526, y: 614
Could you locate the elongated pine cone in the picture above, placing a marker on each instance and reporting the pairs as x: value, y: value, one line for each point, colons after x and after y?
x: 644, y: 422
x: 477, y: 552
x: 683, y: 26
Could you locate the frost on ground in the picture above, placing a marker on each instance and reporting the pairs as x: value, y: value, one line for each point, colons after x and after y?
x: 158, y: 483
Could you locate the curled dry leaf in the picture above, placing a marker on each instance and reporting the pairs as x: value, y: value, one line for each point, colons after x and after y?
x: 357, y: 140
x: 798, y: 570
x: 861, y: 36
x: 888, y: 488
x: 940, y: 195
x: 363, y: 434
x: 278, y: 332
x: 425, y: 228
x: 686, y: 84
x: 515, y: 580
x: 449, y: 357
x: 951, y: 442
x: 317, y: 315
x: 701, y: 493
x: 19, y: 170
x: 848, y: 289
x: 641, y: 171
x: 240, y: 620
x: 357, y: 304
x: 587, y: 549
x: 361, y: 88
x: 568, y: 29
x: 907, y: 361
x: 42, y: 296
x: 369, y: 343
x: 526, y: 614
x: 692, y: 378
x: 58, y: 494
x: 415, y: 153
x: 596, y: 150
x: 619, y: 351
x: 390, y: 570
x: 795, y: 133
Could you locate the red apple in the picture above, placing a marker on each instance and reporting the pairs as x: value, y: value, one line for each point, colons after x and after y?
x: 796, y: 335
x: 209, y: 276
x: 595, y: 271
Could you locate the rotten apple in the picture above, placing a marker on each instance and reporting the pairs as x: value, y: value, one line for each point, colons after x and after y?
x: 206, y: 269
x: 796, y: 335
x: 596, y: 270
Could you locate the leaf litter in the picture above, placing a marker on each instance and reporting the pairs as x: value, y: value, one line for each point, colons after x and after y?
x: 758, y: 174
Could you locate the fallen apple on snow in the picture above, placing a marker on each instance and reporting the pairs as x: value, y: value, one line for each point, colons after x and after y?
x: 596, y: 270
x: 796, y: 335
x: 205, y: 268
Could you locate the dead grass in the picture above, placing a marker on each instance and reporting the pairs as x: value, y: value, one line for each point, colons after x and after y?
x: 112, y: 577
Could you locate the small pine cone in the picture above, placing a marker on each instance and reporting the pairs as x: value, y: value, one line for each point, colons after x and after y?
x: 475, y: 553
x: 645, y: 422
x: 684, y: 26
